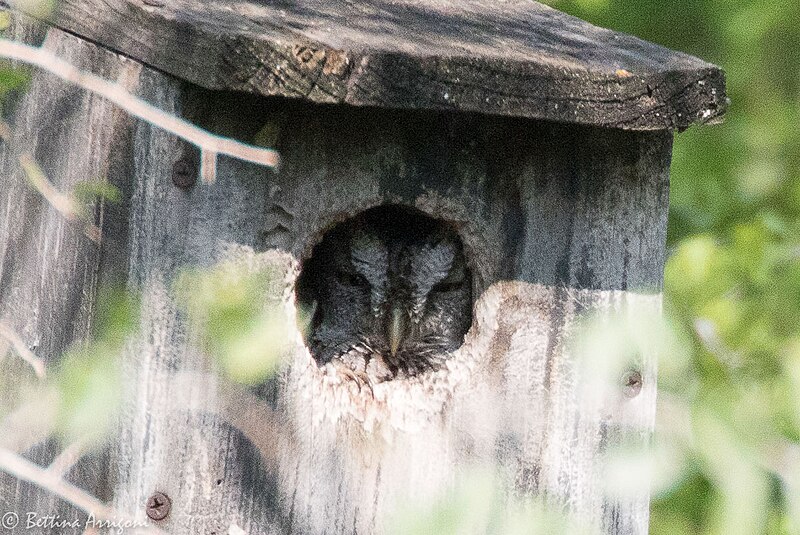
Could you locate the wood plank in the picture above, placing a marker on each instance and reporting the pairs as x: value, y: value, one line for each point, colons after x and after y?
x: 513, y: 58
x: 551, y: 204
x: 49, y: 270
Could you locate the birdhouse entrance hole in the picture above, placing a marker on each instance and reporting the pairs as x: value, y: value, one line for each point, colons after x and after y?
x: 389, y: 295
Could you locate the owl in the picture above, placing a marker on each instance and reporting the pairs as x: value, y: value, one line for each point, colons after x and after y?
x: 391, y: 293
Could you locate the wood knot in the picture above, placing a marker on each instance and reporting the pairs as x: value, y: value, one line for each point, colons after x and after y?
x: 308, y: 56
x: 336, y: 63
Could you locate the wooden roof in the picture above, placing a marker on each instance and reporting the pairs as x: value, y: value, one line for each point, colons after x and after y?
x: 504, y: 57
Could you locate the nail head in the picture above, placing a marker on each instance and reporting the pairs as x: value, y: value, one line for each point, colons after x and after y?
x: 632, y: 383
x: 184, y: 173
x: 158, y: 506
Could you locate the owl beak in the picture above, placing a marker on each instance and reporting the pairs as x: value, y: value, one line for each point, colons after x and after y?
x: 396, y: 328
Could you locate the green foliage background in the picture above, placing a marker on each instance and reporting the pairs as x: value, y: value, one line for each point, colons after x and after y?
x: 733, y: 278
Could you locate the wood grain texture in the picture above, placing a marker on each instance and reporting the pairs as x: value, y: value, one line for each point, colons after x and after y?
x: 49, y: 270
x: 552, y: 204
x: 559, y: 222
x: 512, y: 58
x: 174, y: 436
x: 553, y: 234
x: 517, y: 396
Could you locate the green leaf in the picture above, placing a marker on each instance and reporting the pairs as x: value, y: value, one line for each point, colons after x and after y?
x: 237, y: 314
x: 12, y: 78
x: 90, y: 190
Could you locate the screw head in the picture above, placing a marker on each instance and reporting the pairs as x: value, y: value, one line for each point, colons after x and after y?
x: 158, y: 506
x: 631, y: 383
x: 184, y: 173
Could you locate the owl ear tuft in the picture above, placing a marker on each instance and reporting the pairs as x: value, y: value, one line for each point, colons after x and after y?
x: 368, y: 253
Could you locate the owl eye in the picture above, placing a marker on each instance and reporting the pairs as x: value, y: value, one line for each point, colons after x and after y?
x: 453, y: 281
x: 352, y: 279
x: 448, y: 286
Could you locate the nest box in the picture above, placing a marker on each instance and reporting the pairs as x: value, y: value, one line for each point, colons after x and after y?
x: 541, y: 141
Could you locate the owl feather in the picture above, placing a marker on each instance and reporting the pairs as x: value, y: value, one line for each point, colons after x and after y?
x: 393, y: 294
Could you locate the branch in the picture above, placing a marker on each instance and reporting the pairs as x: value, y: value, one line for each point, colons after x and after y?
x: 209, y: 144
x: 66, y: 205
x: 21, y: 468
x: 67, y: 458
x: 22, y: 350
x: 31, y: 422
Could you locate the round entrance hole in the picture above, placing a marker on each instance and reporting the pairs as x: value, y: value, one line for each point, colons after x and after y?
x: 389, y: 293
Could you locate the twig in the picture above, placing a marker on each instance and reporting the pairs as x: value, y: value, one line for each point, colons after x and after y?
x: 31, y: 421
x: 67, y: 458
x: 21, y: 468
x: 209, y: 144
x: 22, y: 350
x: 708, y: 334
x: 66, y: 205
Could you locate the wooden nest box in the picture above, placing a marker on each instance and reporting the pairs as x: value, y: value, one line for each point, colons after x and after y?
x: 537, y: 143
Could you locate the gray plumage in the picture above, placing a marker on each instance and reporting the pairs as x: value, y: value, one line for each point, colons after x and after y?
x: 392, y: 294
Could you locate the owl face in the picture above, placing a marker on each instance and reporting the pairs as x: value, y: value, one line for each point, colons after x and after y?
x: 392, y: 293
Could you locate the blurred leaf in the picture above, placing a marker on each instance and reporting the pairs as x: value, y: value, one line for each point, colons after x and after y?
x: 88, y: 377
x: 480, y: 504
x: 41, y: 9
x: 90, y: 386
x: 91, y: 190
x: 239, y: 320
x: 268, y: 135
x: 5, y: 20
x: 12, y: 78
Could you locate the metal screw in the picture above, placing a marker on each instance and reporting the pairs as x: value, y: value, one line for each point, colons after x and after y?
x: 631, y: 383
x: 158, y: 506
x: 184, y: 173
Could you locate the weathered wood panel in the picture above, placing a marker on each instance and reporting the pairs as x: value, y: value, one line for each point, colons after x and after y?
x: 172, y: 437
x: 49, y: 269
x: 516, y: 396
x: 516, y: 58
x: 526, y: 210
x: 540, y: 202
